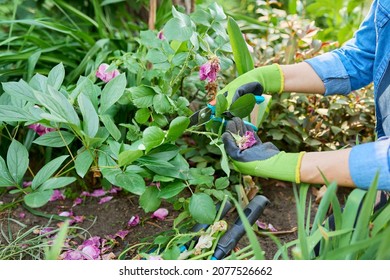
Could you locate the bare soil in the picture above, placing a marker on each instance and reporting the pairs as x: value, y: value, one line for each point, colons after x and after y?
x: 110, y: 217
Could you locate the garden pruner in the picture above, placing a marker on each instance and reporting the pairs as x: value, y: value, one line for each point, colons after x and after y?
x: 206, y: 114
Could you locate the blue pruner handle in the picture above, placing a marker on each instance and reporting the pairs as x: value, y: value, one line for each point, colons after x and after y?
x: 259, y: 99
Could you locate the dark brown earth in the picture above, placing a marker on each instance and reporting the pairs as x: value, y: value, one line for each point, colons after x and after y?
x: 113, y: 216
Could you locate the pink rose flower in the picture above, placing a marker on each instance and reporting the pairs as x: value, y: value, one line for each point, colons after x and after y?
x: 105, y: 76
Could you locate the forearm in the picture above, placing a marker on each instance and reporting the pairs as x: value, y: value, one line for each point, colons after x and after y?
x: 333, y: 165
x: 301, y: 77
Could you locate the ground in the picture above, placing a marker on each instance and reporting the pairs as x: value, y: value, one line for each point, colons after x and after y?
x: 110, y: 217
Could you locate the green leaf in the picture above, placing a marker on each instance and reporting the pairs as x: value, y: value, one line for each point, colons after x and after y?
x: 171, y: 189
x: 58, y: 105
x: 90, y: 116
x: 202, y: 208
x: 221, y: 106
x: 131, y: 182
x: 222, y: 183
x: 201, y: 17
x: 112, y: 92
x: 217, y: 12
x: 161, y: 104
x: 149, y: 200
x: 20, y: 90
x: 5, y: 178
x: 153, y: 136
x: 56, y: 76
x: 57, y: 183
x: 178, y: 29
x: 142, y: 115
x: 111, y: 126
x: 156, y: 56
x: 164, y: 152
x: 142, y: 96
x: 58, y: 138
x: 177, y: 128
x: 47, y: 171
x: 242, y: 57
x: 127, y: 157
x: 243, y: 106
x: 83, y: 162
x: 224, y: 160
x: 17, y: 161
x: 38, y: 199
x: 10, y: 113
x: 179, y: 170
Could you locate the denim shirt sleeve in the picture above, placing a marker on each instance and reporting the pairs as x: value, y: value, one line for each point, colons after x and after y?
x: 351, y: 66
x: 365, y: 160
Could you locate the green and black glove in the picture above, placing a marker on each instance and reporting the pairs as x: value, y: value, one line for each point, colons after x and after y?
x: 261, y: 159
x: 265, y: 79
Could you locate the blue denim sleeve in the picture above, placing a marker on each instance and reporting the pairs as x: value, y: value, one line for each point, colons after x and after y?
x: 366, y: 160
x: 351, y: 66
x: 332, y: 72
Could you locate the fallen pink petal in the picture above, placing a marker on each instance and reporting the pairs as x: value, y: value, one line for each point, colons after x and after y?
x: 160, y: 214
x: 77, y: 201
x: 122, y: 234
x: 65, y: 214
x: 98, y: 193
x: 155, y: 258
x: 57, y: 195
x: 91, y: 252
x: 134, y: 220
x: 85, y: 194
x: 78, y: 219
x: 115, y: 190
x: 105, y: 199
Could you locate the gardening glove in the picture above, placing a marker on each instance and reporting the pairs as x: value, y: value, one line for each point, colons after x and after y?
x: 261, y: 159
x: 265, y: 79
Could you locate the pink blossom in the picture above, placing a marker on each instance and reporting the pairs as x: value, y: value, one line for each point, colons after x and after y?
x: 134, y: 220
x: 27, y: 184
x: 160, y: 35
x: 209, y: 70
x: 160, y: 214
x: 105, y: 199
x: 40, y: 129
x: 22, y: 215
x: 105, y: 76
x: 57, y: 195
